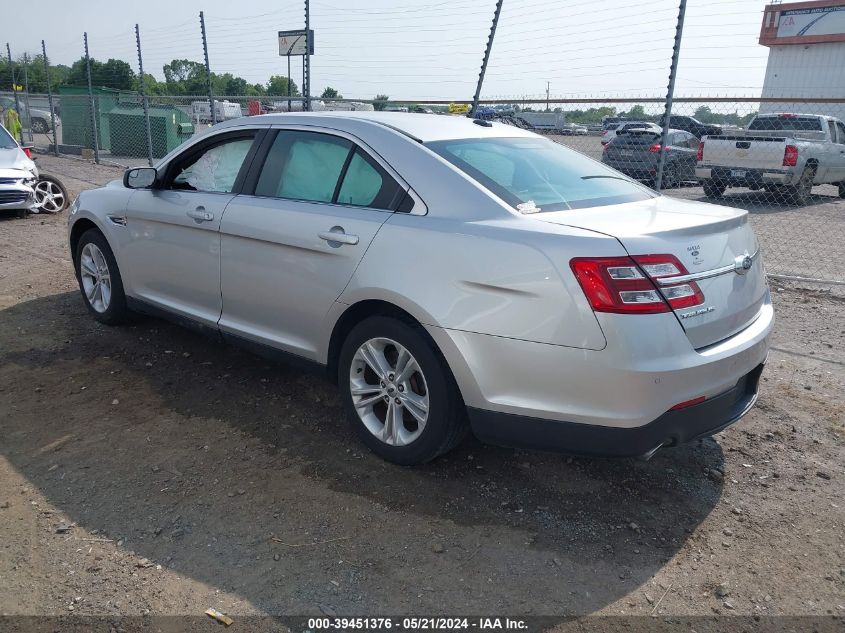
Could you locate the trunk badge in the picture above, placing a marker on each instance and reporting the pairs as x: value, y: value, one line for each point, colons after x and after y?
x: 743, y: 263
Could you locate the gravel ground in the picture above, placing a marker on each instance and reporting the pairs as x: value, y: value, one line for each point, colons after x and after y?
x: 146, y: 470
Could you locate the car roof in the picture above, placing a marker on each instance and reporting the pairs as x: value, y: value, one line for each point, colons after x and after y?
x: 421, y: 127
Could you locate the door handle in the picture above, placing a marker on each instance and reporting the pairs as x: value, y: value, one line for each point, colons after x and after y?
x: 201, y: 215
x: 337, y: 236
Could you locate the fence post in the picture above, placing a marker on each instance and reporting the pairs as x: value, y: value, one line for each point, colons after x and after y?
x: 26, y: 94
x: 144, y: 100
x: 306, y: 68
x: 15, y: 88
x: 670, y: 93
x: 486, y: 57
x: 207, y: 71
x: 91, y: 100
x: 50, y: 100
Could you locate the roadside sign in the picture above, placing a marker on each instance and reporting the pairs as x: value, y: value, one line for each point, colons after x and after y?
x: 292, y: 43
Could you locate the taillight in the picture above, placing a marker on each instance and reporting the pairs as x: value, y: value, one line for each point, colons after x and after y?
x: 626, y: 285
x: 654, y: 149
x: 699, y: 156
x: 790, y: 156
x: 27, y: 151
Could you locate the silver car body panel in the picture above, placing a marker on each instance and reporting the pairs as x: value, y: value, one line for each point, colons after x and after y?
x: 493, y: 287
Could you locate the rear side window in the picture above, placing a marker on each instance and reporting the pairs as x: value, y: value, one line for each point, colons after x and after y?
x: 841, y: 128
x: 538, y: 173
x: 317, y: 167
x: 787, y: 123
x: 303, y: 166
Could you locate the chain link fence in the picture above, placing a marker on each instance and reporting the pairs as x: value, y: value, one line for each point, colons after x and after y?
x: 783, y: 161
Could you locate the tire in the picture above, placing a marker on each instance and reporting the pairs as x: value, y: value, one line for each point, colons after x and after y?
x: 39, y: 126
x: 374, y: 341
x: 802, y: 191
x: 94, y: 249
x: 670, y: 177
x: 50, y: 194
x: 842, y: 189
x: 713, y: 189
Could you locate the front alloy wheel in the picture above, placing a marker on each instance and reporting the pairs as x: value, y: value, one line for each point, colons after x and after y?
x: 95, y: 277
x: 389, y: 391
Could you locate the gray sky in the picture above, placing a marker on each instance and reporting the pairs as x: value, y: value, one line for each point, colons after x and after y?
x: 428, y: 48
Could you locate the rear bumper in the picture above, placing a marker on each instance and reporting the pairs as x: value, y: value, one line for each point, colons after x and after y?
x: 749, y: 178
x: 670, y: 429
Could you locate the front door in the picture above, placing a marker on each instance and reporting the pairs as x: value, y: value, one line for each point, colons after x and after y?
x: 170, y: 250
x: 290, y: 248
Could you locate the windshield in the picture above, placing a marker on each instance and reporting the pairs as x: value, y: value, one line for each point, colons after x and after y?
x: 6, y: 140
x: 790, y: 123
x: 536, y: 174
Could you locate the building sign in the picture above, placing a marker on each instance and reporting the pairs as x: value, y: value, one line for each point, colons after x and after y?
x: 292, y: 43
x: 811, y: 22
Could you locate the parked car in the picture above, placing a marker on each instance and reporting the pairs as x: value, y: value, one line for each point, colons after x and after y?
x: 38, y: 121
x: 782, y: 153
x: 18, y: 175
x: 572, y: 129
x: 611, y: 133
x: 636, y: 152
x: 610, y: 122
x: 448, y: 273
x: 692, y: 125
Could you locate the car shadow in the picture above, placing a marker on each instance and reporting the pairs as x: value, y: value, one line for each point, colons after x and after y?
x: 193, y: 453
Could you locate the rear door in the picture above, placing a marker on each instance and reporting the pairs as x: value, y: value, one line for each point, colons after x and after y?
x: 292, y: 241
x: 838, y: 155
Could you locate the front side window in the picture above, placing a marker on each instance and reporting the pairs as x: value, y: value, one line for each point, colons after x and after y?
x: 214, y: 169
x: 539, y: 171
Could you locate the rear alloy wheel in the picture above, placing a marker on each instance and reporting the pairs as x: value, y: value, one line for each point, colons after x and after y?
x: 670, y: 177
x: 713, y: 189
x: 50, y: 194
x: 801, y: 192
x: 401, y: 400
x: 99, y: 279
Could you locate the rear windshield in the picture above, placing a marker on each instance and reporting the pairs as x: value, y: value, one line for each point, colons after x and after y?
x: 6, y: 140
x: 789, y: 123
x: 539, y: 173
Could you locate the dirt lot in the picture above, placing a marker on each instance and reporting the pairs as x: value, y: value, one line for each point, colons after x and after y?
x: 144, y: 469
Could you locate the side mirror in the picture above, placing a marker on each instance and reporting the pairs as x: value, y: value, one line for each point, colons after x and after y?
x: 140, y: 178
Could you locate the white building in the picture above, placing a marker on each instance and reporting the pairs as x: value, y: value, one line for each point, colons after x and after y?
x: 806, y: 43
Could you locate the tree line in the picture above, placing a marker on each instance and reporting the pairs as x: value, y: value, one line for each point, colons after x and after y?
x: 181, y: 77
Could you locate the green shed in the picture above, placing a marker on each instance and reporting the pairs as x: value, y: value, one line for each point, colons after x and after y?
x: 76, y: 115
x: 169, y: 127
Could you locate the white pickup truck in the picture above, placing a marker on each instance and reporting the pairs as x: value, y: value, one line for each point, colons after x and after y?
x: 781, y: 153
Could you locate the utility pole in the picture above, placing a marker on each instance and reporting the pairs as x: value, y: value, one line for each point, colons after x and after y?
x: 50, y: 99
x: 144, y: 101
x: 670, y: 93
x: 548, y: 84
x: 14, y: 87
x: 306, y: 69
x: 207, y: 70
x: 95, y: 143
x: 486, y: 57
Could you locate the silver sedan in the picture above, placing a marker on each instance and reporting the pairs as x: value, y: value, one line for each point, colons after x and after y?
x: 449, y: 274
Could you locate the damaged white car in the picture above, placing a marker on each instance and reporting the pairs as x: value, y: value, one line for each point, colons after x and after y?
x: 18, y: 175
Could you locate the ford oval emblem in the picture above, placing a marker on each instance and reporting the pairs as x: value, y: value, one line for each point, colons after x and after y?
x: 743, y: 264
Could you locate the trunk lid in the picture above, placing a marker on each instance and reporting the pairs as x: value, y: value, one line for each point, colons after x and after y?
x: 705, y: 238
